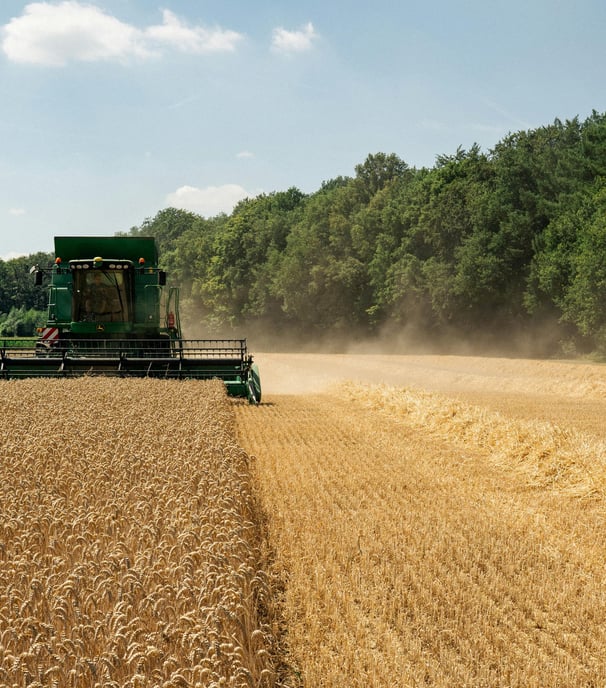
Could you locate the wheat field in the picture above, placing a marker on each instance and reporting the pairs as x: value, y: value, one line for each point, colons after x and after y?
x: 445, y: 529
x: 130, y: 550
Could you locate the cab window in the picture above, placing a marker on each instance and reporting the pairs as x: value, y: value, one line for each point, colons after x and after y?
x: 101, y: 295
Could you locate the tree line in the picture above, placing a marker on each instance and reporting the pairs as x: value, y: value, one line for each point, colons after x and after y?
x: 22, y: 304
x: 484, y: 247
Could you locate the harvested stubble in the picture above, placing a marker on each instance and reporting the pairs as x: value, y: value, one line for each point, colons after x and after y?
x: 544, y: 453
x: 415, y: 554
x: 129, y: 554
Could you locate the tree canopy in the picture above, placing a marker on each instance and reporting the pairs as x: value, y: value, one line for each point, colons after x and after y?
x: 482, y: 246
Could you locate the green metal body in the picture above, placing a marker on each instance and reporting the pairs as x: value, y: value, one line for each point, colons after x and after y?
x: 128, y: 267
x: 111, y: 313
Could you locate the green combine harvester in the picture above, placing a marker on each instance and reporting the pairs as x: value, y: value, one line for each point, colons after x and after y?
x: 110, y: 312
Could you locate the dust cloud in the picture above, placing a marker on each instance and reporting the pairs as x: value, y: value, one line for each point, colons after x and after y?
x: 498, y: 361
x: 304, y: 373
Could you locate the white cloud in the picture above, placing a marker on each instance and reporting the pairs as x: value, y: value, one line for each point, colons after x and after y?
x: 284, y: 41
x: 56, y: 33
x: 53, y: 34
x: 197, y: 39
x: 245, y: 154
x: 16, y: 212
x: 209, y: 201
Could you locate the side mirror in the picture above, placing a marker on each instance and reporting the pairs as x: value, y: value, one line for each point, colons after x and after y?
x: 161, y: 278
x: 38, y: 278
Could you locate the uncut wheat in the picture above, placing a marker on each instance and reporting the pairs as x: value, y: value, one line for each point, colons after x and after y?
x: 129, y: 554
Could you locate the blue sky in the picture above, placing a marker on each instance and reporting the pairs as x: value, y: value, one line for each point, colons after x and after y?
x: 114, y: 109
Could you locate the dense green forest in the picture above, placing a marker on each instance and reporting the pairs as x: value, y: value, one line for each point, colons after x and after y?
x: 22, y: 304
x: 488, y: 249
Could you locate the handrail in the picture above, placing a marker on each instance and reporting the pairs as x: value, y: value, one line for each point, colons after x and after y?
x: 138, y: 348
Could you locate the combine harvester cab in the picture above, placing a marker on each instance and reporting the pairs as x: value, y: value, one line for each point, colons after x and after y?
x: 111, y: 313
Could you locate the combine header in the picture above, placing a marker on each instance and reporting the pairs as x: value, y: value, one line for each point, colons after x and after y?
x: 110, y: 312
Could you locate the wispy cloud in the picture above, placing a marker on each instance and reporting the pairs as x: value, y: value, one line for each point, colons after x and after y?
x: 54, y: 34
x: 183, y: 102
x: 16, y: 212
x: 245, y: 154
x: 289, y: 42
x: 506, y: 115
x: 209, y: 201
x: 196, y: 39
